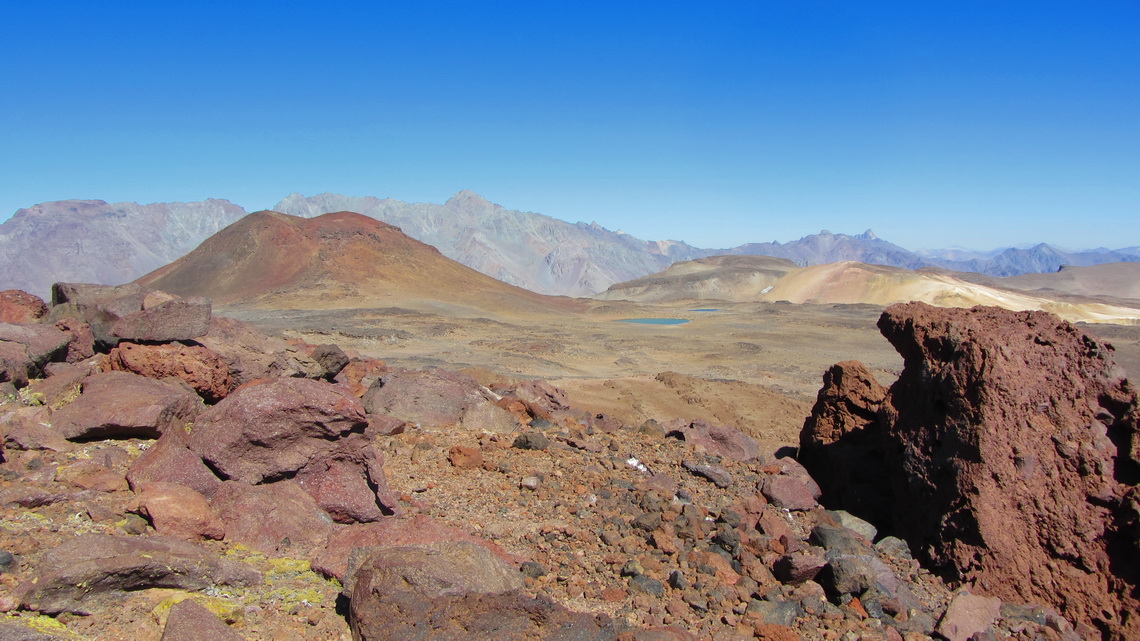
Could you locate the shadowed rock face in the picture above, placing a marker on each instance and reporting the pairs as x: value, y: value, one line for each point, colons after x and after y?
x: 1010, y: 449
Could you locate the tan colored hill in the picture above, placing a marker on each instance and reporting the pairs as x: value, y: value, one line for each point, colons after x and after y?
x: 1112, y: 280
x: 762, y: 278
x: 337, y: 261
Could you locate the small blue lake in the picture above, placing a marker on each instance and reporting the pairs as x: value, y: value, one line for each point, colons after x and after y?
x: 707, y: 309
x: 655, y: 321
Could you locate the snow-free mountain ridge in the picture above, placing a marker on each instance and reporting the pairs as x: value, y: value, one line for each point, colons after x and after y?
x: 113, y: 243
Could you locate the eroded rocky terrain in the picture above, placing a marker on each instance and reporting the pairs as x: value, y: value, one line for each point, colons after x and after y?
x: 170, y: 473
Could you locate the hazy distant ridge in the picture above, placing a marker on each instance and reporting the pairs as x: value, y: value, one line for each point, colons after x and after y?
x: 113, y: 243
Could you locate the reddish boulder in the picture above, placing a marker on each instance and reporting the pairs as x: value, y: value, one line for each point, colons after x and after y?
x: 720, y: 440
x: 124, y: 405
x: 18, y: 306
x: 1010, y: 448
x: 437, y: 398
x: 968, y: 615
x: 90, y: 572
x: 179, y: 511
x: 309, y: 430
x: 272, y: 429
x: 82, y: 344
x: 180, y: 319
x: 275, y: 519
x: 25, y: 349
x: 201, y: 368
x: 169, y: 460
x: 247, y: 352
x: 360, y: 374
x: 452, y: 591
x: 189, y: 621
x: 334, y: 559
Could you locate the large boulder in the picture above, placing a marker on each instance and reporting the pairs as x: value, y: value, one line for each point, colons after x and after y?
x: 18, y: 306
x: 719, y: 440
x: 448, y: 591
x: 438, y: 398
x: 201, y: 368
x: 168, y: 460
x: 90, y: 572
x: 842, y: 444
x: 275, y: 519
x: 26, y: 348
x: 97, y: 306
x: 292, y: 428
x: 125, y: 405
x: 179, y: 319
x: 1010, y: 447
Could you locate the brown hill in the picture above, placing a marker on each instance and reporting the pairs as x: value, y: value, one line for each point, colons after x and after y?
x: 338, y: 260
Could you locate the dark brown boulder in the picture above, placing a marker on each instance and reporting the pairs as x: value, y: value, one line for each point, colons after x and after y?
x: 18, y: 306
x: 1010, y: 446
x: 93, y: 571
x: 124, y: 405
x: 331, y: 358
x: 201, y: 368
x: 180, y: 319
x: 841, y: 442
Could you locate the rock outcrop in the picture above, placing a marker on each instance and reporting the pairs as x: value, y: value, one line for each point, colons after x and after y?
x: 1007, y: 453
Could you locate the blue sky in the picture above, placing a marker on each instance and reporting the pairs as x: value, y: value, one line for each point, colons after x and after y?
x: 977, y: 124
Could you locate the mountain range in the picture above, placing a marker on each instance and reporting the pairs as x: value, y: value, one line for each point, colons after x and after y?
x: 113, y: 243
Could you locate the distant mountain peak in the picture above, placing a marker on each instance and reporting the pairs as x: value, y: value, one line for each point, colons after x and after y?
x: 467, y: 199
x: 868, y: 235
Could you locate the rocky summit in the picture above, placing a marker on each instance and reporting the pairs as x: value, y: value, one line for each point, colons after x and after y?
x: 1007, y: 454
x: 169, y: 473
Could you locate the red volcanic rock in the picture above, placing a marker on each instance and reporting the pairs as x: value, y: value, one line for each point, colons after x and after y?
x: 968, y: 615
x: 179, y: 511
x: 539, y: 399
x: 841, y: 441
x: 174, y: 320
x: 272, y: 429
x: 82, y: 344
x: 247, y: 352
x: 334, y: 559
x: 169, y: 460
x: 18, y: 306
x: 720, y: 440
x: 201, y: 368
x: 438, y: 398
x: 360, y: 374
x: 89, y: 572
x: 275, y: 519
x: 1010, y: 445
x: 297, y: 428
x: 25, y: 349
x: 189, y: 621
x: 124, y: 405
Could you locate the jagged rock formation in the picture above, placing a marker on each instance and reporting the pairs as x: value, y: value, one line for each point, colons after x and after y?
x: 1011, y: 449
x: 93, y: 241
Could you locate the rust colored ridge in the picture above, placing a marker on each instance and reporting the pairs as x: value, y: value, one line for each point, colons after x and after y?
x: 337, y: 260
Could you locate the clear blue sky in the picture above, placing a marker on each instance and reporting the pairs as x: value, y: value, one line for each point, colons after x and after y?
x: 976, y: 124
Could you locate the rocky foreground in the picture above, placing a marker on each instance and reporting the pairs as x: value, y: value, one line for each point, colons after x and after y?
x: 171, y: 474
